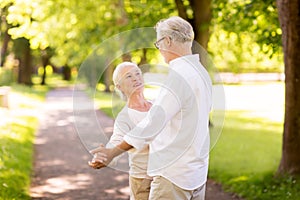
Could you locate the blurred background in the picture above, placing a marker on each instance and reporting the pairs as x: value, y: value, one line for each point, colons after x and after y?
x: 45, y: 42
x: 39, y: 38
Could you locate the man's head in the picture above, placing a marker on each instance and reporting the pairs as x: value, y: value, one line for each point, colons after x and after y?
x: 174, y: 37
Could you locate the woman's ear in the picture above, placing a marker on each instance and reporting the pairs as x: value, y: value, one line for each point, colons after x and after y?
x: 118, y: 86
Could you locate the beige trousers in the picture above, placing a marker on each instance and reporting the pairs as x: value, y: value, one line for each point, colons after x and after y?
x: 163, y: 189
x: 139, y: 188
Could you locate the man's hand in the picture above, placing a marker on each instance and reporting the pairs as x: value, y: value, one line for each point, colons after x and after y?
x: 102, y: 157
x: 96, y: 164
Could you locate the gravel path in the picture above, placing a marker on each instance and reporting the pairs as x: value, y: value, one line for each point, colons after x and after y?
x: 60, y: 159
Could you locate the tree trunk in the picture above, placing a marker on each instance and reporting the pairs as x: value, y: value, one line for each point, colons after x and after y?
x: 23, y: 54
x: 290, y: 24
x: 43, y: 82
x: 126, y: 57
x: 181, y: 9
x: 66, y: 73
x: 200, y: 20
x: 143, y: 64
x: 6, y: 38
x: 108, y: 77
x: 45, y: 62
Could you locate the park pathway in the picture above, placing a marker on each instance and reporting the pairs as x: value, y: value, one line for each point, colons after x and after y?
x: 60, y: 159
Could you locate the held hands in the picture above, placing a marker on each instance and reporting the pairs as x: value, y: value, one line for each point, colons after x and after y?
x: 102, y: 157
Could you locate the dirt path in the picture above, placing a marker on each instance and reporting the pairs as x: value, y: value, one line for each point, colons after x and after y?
x: 60, y: 169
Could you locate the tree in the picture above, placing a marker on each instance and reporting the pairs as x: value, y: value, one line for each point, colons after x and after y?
x: 17, y: 15
x: 247, y: 35
x: 4, y: 28
x: 198, y: 13
x: 290, y: 24
x: 254, y: 17
x: 23, y: 55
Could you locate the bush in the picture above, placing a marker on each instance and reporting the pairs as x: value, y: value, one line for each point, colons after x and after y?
x: 6, y: 76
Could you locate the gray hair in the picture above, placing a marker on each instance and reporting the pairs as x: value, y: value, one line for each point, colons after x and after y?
x: 177, y: 28
x: 117, y: 77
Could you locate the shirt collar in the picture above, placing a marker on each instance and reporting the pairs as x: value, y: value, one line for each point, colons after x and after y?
x: 187, y: 58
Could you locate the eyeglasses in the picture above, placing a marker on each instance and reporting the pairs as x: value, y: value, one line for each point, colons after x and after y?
x: 156, y: 44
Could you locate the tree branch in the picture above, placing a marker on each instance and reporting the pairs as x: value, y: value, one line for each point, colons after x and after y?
x: 181, y: 9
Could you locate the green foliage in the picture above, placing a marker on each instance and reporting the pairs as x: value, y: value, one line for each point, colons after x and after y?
x: 246, y: 36
x: 109, y: 103
x: 52, y: 81
x: 6, y: 76
x: 244, y: 33
x: 80, y: 25
x: 246, y: 158
x: 239, y: 53
x: 16, y: 140
x: 16, y: 158
x: 269, y: 188
x: 147, y: 13
x: 258, y: 18
x: 248, y: 152
x: 30, y: 95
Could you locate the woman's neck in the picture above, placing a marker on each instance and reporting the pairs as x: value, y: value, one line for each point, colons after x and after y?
x: 138, y: 102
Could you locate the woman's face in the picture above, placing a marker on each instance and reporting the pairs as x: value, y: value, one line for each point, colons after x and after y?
x: 131, y: 81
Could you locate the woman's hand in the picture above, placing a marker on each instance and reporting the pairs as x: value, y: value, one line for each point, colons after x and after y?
x: 102, y: 157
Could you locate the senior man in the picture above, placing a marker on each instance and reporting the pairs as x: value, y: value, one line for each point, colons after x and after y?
x: 178, y: 158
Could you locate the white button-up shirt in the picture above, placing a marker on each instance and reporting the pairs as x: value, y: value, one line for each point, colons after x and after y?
x: 180, y: 154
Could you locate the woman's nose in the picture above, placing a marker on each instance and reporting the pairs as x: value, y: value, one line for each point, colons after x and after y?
x: 135, y: 77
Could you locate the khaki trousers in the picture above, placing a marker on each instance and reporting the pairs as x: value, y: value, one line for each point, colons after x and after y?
x: 163, y: 189
x: 139, y: 188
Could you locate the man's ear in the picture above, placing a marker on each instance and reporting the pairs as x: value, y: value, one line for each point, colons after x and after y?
x: 168, y: 39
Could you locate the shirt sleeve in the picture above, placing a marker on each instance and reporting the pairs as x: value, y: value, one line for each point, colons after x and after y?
x: 119, y: 131
x: 118, y: 134
x: 167, y: 104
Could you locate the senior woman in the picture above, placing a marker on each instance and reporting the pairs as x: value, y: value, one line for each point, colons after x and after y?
x: 129, y: 84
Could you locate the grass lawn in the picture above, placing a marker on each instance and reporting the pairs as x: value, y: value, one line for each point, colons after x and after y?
x: 109, y: 103
x: 247, y: 154
x: 18, y: 125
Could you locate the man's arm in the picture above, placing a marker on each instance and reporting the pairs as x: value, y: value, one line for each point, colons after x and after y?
x: 167, y: 104
x: 100, y: 159
x: 103, y: 156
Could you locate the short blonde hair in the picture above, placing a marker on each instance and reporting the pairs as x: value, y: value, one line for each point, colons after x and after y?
x: 177, y: 28
x: 117, y: 77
